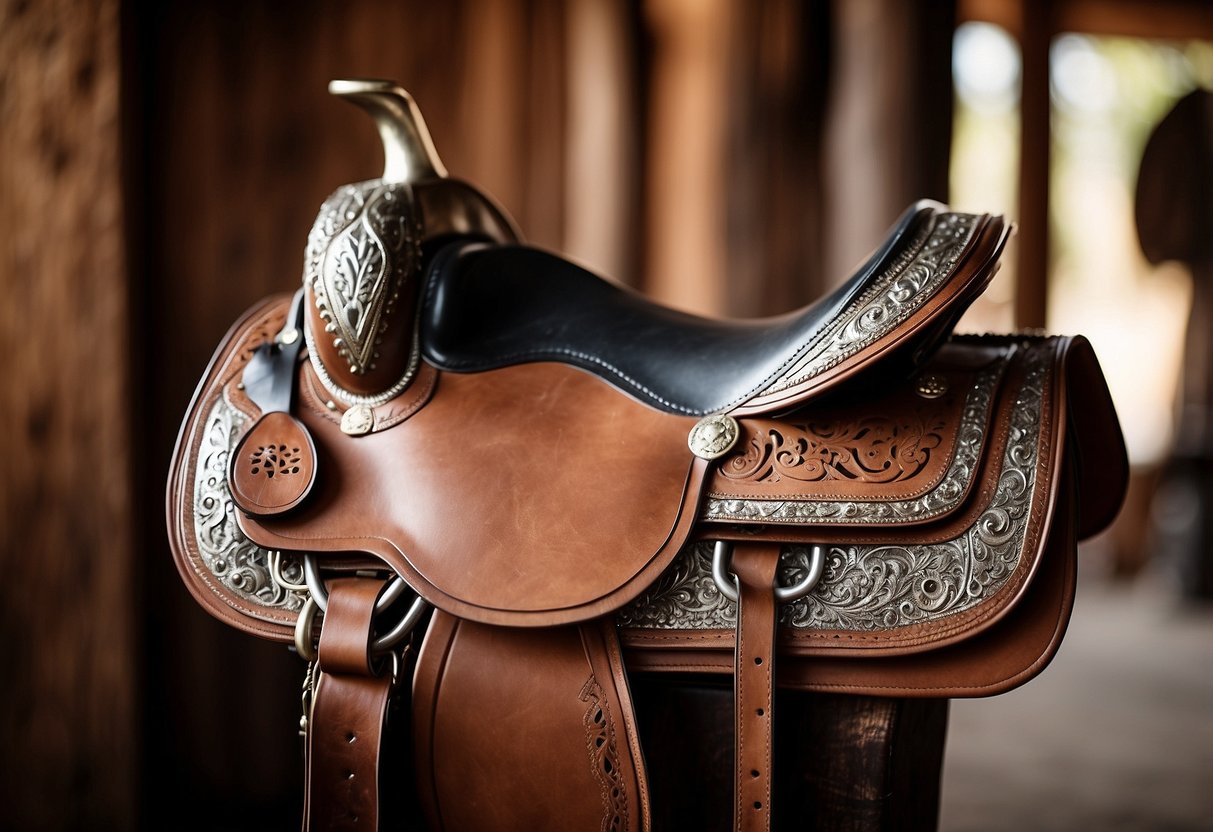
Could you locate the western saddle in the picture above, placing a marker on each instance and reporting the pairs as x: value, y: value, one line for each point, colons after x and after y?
x: 480, y: 489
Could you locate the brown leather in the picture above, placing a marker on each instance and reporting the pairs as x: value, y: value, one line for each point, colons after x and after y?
x: 525, y: 729
x: 542, y: 436
x: 349, y: 709
x: 273, y: 467
x: 1000, y: 658
x: 319, y: 401
x: 889, y: 444
x: 753, y: 683
x: 532, y: 503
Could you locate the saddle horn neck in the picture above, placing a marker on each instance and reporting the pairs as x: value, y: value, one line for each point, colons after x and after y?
x: 409, y: 154
x: 368, y: 246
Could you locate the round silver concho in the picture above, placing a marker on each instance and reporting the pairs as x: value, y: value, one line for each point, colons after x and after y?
x: 713, y: 436
x: 358, y: 420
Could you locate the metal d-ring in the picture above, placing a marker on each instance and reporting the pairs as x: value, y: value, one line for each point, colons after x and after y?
x: 729, y: 587
x: 395, y: 588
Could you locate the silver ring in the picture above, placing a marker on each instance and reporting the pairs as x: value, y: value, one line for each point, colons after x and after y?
x: 305, y: 645
x: 730, y: 588
x: 395, y: 588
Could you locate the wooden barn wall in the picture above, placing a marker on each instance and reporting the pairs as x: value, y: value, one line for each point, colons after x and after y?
x: 67, y: 560
x: 239, y: 145
x: 160, y: 166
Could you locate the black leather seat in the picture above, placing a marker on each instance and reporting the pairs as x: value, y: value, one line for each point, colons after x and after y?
x: 491, y: 306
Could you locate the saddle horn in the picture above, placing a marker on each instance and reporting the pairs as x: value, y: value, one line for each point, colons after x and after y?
x: 366, y: 251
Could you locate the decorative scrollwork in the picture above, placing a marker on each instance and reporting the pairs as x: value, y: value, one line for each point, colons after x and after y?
x: 604, y: 757
x: 883, y: 448
x: 906, y: 284
x: 237, y: 563
x: 950, y: 489
x: 878, y: 586
x: 360, y: 252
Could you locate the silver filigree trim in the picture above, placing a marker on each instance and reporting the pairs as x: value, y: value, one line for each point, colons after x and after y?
x: 909, y: 282
x: 360, y: 253
x: 869, y: 587
x: 241, y: 566
x: 943, y: 497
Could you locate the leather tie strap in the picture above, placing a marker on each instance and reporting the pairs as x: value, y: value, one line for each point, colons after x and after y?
x: 755, y: 565
x: 345, y: 733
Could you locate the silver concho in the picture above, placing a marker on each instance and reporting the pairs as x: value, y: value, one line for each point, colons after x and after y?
x: 713, y: 436
x: 931, y: 386
x: 358, y: 420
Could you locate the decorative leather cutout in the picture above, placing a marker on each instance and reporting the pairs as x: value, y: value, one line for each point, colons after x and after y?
x: 604, y: 758
x: 273, y: 467
x: 883, y: 448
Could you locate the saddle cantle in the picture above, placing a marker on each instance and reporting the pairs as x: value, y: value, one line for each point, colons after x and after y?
x: 585, y: 485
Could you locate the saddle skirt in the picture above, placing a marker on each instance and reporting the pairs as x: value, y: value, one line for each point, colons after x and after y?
x: 561, y: 468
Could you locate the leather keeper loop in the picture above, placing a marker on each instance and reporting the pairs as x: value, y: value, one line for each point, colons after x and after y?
x: 346, y: 634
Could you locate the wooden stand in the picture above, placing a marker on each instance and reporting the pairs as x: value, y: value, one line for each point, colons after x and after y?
x: 842, y: 763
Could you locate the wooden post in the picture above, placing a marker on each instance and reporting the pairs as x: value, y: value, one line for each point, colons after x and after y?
x: 842, y: 763
x: 1032, y: 293
x: 67, y: 699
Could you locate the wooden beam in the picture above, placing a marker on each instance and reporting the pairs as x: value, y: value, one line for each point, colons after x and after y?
x: 1160, y: 19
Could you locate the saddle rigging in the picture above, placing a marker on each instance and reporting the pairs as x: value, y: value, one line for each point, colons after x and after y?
x: 462, y: 472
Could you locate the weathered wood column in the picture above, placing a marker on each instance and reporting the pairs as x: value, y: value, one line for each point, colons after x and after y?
x: 67, y: 742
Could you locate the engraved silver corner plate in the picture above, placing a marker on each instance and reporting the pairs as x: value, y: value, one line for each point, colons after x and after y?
x: 713, y: 436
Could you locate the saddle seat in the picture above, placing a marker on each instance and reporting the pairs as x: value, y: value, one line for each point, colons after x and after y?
x: 487, y: 307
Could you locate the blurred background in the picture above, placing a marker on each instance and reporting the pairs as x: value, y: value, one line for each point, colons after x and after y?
x: 161, y: 164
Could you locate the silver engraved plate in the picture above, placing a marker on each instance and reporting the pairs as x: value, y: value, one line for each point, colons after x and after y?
x: 911, y: 280
x: 713, y: 436
x: 241, y: 566
x: 877, y: 586
x: 361, y: 251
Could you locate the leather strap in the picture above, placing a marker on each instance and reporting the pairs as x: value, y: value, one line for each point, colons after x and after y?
x: 349, y: 706
x: 753, y: 678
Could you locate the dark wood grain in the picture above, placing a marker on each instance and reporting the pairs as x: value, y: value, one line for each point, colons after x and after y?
x: 233, y: 144
x: 842, y: 763
x: 67, y: 702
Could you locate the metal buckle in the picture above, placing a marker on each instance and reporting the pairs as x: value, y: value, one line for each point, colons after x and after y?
x: 727, y: 583
x: 395, y: 588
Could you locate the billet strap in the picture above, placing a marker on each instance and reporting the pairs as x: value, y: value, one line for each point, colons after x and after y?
x: 754, y: 564
x: 526, y: 729
x: 349, y: 707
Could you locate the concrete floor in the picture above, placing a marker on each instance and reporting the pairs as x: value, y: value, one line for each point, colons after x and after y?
x: 1116, y: 734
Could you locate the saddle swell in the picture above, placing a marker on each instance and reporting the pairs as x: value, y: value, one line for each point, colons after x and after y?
x: 586, y: 485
